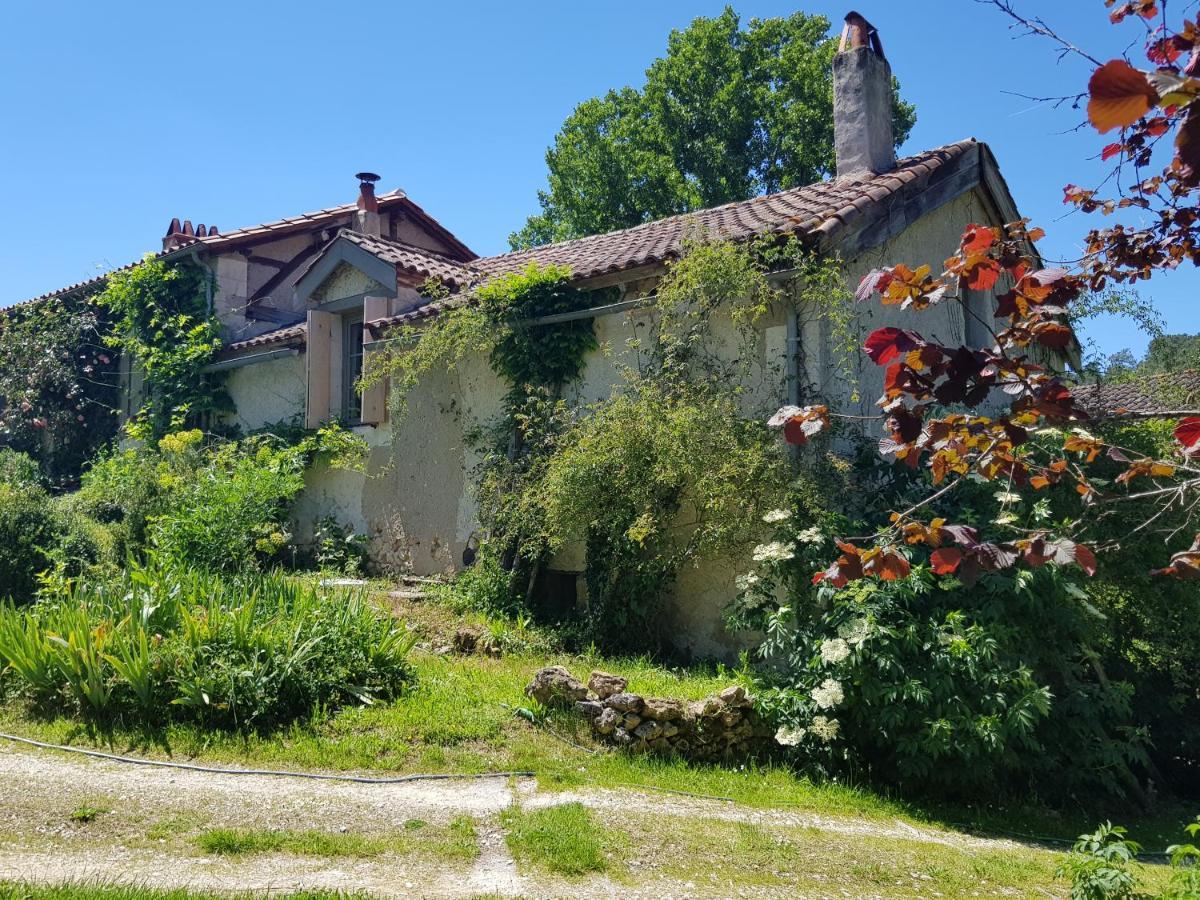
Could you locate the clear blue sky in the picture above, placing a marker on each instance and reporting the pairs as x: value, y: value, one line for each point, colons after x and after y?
x: 119, y: 115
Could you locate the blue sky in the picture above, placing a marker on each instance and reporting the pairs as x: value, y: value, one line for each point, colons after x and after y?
x: 120, y: 115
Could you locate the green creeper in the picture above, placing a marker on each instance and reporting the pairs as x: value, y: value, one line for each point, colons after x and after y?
x: 728, y: 113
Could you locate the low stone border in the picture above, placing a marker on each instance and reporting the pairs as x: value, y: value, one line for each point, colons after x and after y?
x: 723, y: 726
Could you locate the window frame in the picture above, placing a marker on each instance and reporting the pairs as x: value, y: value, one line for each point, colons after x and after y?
x: 350, y: 402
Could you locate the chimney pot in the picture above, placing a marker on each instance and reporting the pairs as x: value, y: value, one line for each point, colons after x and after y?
x: 862, y: 102
x: 366, y: 191
x: 187, y: 228
x: 366, y: 219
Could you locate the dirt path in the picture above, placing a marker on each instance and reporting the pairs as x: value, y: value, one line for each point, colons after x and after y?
x: 142, y: 836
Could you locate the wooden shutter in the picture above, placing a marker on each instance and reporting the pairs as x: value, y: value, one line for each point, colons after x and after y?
x: 374, y: 398
x: 317, y: 355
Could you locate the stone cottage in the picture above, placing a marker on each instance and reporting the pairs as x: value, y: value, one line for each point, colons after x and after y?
x: 303, y: 299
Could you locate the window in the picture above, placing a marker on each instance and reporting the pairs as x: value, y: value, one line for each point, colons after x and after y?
x: 352, y: 367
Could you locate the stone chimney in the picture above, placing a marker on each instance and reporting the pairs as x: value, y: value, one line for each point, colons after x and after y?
x: 862, y: 102
x: 366, y: 218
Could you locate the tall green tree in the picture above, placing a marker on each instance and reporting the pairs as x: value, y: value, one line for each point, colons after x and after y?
x: 729, y: 112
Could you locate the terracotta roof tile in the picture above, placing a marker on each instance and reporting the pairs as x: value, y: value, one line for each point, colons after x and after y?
x: 816, y: 211
x: 286, y: 335
x: 217, y: 242
x: 1152, y: 394
x: 415, y: 260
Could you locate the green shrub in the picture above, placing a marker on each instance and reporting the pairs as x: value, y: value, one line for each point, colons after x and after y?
x: 1100, y: 865
x: 165, y: 643
x: 934, y: 686
x: 650, y: 481
x: 83, y: 543
x: 338, y: 548
x: 230, y: 512
x: 28, y: 534
x: 221, y: 505
x: 19, y: 469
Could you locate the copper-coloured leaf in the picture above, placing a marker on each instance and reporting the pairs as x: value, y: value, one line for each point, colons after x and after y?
x: 1119, y: 96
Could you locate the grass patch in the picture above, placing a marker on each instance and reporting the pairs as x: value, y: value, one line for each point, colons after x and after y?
x: 564, y: 839
x: 457, y: 840
x: 86, y: 812
x: 175, y: 825
x: 807, y: 861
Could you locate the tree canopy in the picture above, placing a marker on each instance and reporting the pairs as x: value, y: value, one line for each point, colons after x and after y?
x: 729, y: 112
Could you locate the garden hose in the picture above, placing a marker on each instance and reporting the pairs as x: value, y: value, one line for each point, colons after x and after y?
x: 315, y: 776
x: 452, y: 776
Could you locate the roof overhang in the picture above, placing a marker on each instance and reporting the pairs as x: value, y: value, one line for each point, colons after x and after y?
x: 342, y: 250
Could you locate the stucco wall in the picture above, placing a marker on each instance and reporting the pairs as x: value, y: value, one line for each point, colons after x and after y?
x: 267, y: 392
x: 415, y: 500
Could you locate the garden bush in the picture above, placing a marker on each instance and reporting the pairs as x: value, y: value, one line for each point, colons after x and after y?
x: 19, y: 469
x: 165, y: 642
x: 29, y: 531
x: 930, y: 684
x: 213, y: 503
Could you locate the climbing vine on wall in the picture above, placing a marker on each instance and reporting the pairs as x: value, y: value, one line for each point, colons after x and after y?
x: 674, y: 465
x: 162, y: 318
x: 59, y: 384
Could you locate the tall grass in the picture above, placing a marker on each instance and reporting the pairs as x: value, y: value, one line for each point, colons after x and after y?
x: 162, y: 642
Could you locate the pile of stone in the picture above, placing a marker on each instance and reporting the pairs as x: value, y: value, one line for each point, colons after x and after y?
x: 724, y: 726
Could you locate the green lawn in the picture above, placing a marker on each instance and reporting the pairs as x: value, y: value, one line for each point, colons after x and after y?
x: 463, y: 716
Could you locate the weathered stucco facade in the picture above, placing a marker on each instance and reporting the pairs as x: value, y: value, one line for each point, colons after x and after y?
x: 415, y: 498
x: 303, y: 302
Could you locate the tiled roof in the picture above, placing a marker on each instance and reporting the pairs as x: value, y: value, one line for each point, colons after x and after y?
x: 277, y: 228
x: 414, y: 260
x: 1153, y: 394
x: 819, y: 212
x: 286, y: 335
x: 308, y: 220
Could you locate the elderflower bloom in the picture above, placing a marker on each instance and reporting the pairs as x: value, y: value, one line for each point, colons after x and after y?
x: 855, y: 632
x: 834, y: 651
x: 811, y: 535
x: 829, y: 694
x: 776, y: 551
x: 824, y: 728
x: 1007, y: 497
x: 789, y: 736
x: 777, y: 515
x: 745, y: 582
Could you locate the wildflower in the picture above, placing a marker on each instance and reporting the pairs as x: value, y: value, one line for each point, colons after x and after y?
x: 777, y: 515
x: 824, y: 728
x: 812, y: 535
x: 1007, y: 497
x: 855, y: 632
x: 789, y: 736
x: 776, y: 551
x: 834, y: 651
x: 829, y: 694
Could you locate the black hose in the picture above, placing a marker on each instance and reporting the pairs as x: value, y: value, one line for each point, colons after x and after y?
x: 316, y: 776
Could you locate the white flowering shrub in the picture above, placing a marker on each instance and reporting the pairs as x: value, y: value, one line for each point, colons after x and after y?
x: 926, y: 684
